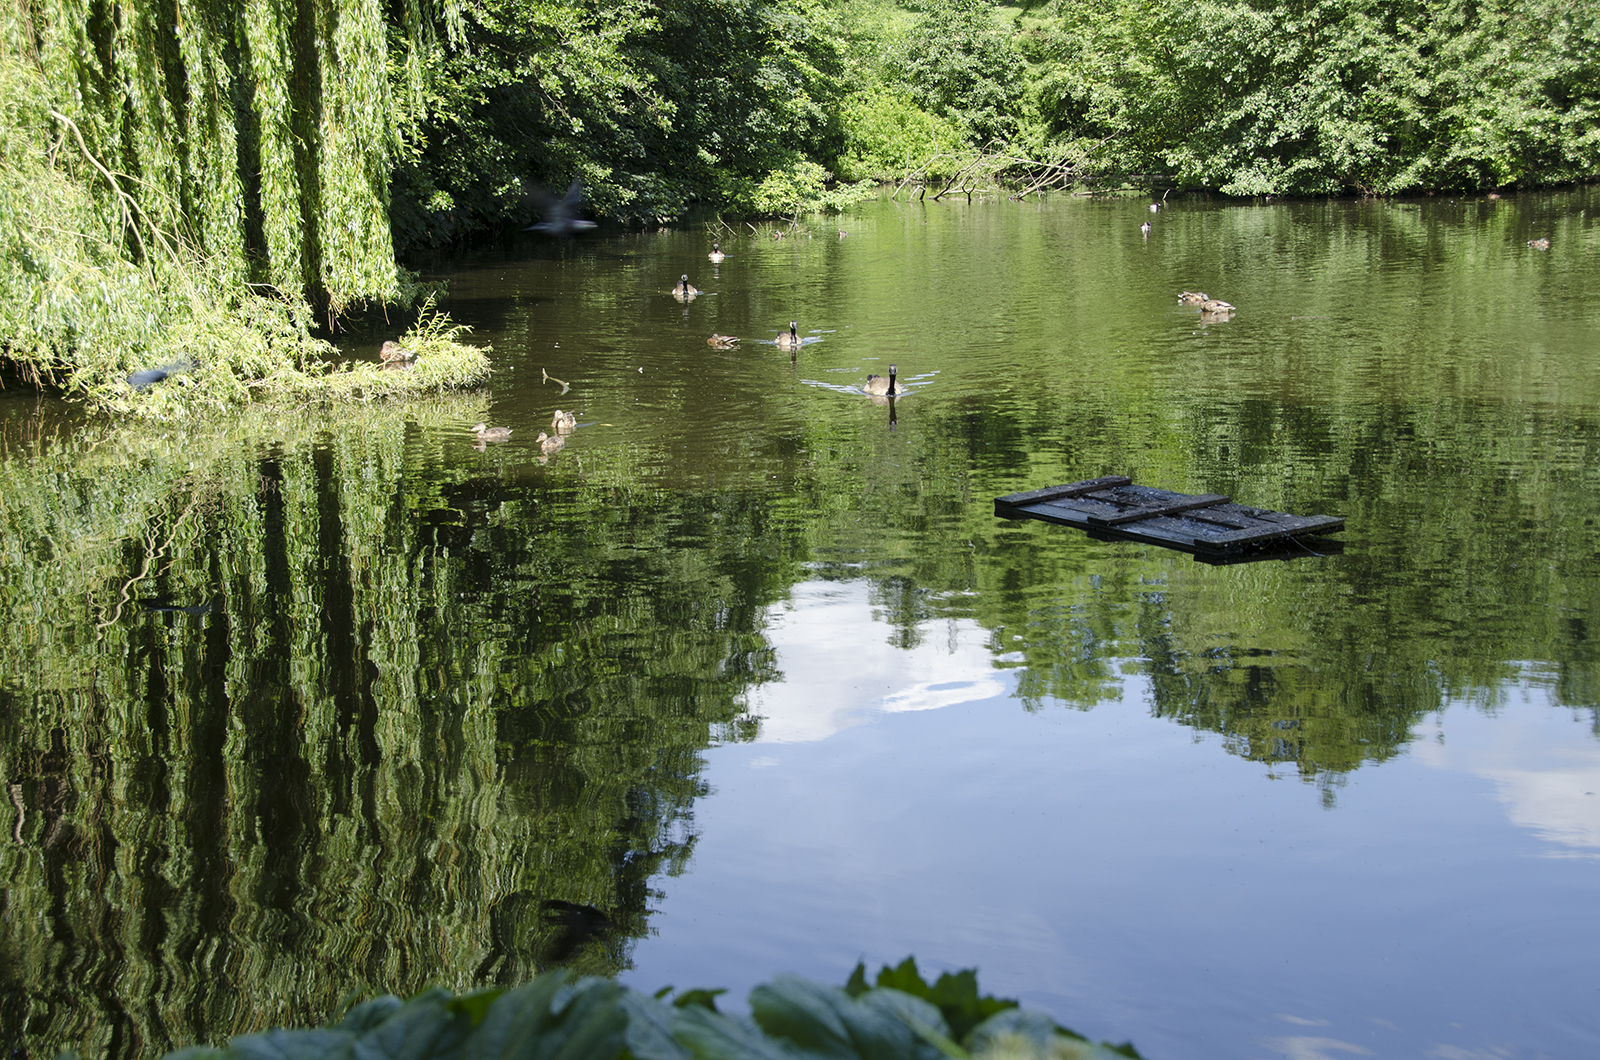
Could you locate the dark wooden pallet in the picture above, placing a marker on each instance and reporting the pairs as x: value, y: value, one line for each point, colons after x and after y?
x: 1209, y: 525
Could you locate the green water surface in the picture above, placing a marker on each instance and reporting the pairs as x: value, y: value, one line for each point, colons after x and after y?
x: 296, y: 704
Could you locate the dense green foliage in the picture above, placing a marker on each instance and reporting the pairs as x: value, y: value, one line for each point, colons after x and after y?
x: 229, y: 168
x: 1335, y: 96
x: 555, y: 1016
x: 158, y: 208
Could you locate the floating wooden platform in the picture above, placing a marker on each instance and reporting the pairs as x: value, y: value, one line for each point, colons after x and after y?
x: 1207, y: 524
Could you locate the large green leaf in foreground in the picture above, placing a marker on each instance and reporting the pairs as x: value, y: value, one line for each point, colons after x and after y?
x: 557, y: 1017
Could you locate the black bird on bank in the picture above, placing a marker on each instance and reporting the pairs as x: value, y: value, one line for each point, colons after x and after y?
x: 560, y: 215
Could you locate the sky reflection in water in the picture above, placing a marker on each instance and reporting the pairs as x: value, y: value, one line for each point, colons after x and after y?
x: 1124, y: 872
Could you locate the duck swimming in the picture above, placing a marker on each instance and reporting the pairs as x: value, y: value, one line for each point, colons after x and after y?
x: 684, y: 290
x: 563, y: 422
x: 722, y: 342
x: 877, y: 384
x: 548, y: 444
x: 1215, y: 305
x: 1193, y: 298
x: 716, y: 254
x: 486, y: 433
x: 1539, y: 244
x: 792, y: 340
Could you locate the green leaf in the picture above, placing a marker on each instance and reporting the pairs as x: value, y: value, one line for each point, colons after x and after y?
x: 367, y: 1015
x: 923, y: 1017
x: 710, y: 1035
x: 829, y: 1022
x: 649, y: 1028
x: 280, y: 1044
x: 424, y: 1028
x: 699, y: 996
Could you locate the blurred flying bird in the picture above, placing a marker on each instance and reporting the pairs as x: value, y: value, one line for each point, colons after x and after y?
x: 151, y: 376
x: 560, y: 214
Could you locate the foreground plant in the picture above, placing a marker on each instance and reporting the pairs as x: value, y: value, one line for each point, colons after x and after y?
x: 591, y: 1018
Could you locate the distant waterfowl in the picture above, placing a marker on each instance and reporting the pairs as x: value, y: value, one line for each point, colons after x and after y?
x: 1155, y: 206
x: 1539, y: 244
x: 560, y: 214
x: 151, y: 376
x: 1145, y: 228
x: 877, y: 384
x: 684, y: 290
x: 547, y: 444
x: 716, y: 254
x: 722, y: 342
x: 487, y: 433
x: 792, y: 340
x: 1215, y: 305
x: 1193, y: 298
x: 563, y: 422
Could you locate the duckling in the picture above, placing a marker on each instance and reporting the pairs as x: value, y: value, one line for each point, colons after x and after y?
x: 722, y: 342
x: 716, y: 254
x: 548, y: 445
x: 486, y: 433
x: 393, y: 353
x: 1215, y: 305
x: 684, y: 290
x: 1539, y: 244
x: 792, y: 340
x: 563, y: 422
x: 1193, y: 298
x: 877, y: 384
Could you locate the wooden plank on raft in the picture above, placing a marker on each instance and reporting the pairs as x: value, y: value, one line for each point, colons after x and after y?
x: 1206, y: 524
x: 1188, y: 503
x: 1072, y: 489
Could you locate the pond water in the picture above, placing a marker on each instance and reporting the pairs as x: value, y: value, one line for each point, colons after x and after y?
x: 749, y: 674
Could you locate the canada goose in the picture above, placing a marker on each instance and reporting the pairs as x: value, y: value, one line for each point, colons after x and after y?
x: 792, y: 340
x: 877, y: 384
x: 1145, y: 228
x: 558, y: 213
x: 486, y: 433
x: 722, y: 342
x: 684, y: 289
x: 548, y: 444
x: 1193, y: 298
x: 563, y: 422
x: 716, y: 254
x: 1215, y: 305
x: 1539, y: 244
x: 1154, y: 207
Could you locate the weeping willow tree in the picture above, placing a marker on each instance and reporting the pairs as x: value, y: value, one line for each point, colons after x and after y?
x: 181, y: 183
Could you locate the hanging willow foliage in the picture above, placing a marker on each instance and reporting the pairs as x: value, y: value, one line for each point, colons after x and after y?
x: 180, y: 182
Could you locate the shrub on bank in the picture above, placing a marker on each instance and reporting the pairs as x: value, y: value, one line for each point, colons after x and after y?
x: 593, y: 1018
